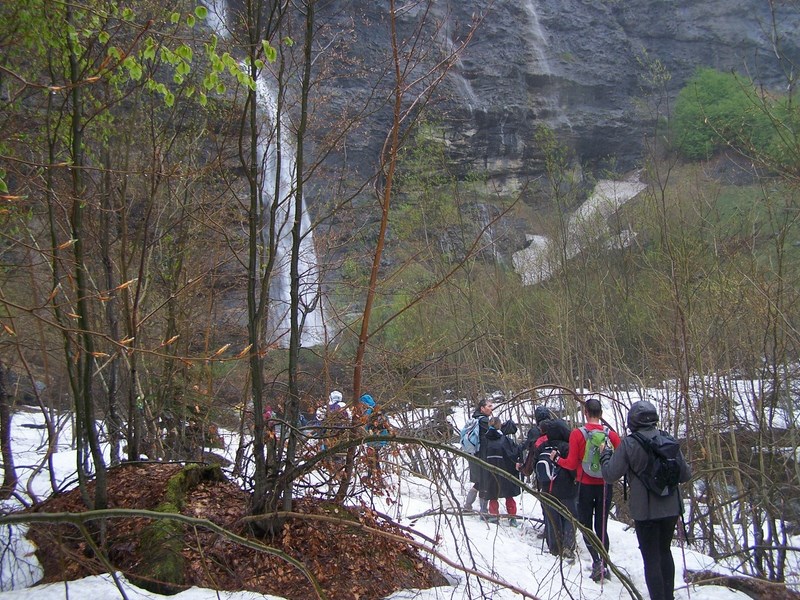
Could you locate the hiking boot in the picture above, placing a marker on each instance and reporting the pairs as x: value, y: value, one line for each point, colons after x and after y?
x: 599, y: 571
x: 472, y: 494
x: 491, y: 519
x: 513, y: 522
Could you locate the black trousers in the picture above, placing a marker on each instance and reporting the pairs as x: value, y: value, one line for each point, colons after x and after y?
x: 655, y: 539
x: 594, y: 502
x: 559, y: 532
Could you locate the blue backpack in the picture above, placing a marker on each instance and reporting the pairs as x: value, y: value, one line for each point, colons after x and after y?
x: 471, y: 436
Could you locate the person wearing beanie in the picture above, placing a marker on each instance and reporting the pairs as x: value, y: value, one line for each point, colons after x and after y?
x: 541, y: 414
x: 374, y: 422
x: 534, y: 439
x: 335, y: 400
x: 654, y: 516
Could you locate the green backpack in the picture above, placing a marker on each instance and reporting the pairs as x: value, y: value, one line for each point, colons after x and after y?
x: 591, y: 456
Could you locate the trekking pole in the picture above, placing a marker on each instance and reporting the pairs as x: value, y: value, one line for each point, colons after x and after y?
x: 683, y: 538
x: 603, y: 530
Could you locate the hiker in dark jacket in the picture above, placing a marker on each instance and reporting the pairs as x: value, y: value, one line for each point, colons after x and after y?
x: 482, y: 412
x: 504, y: 453
x: 559, y: 530
x: 535, y: 438
x: 654, y: 516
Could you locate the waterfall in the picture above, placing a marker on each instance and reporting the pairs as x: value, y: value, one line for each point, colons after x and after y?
x: 539, y: 40
x: 312, y: 326
x: 540, y: 44
x: 313, y: 330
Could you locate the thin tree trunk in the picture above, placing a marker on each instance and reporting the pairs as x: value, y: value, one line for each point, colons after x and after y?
x: 9, y: 472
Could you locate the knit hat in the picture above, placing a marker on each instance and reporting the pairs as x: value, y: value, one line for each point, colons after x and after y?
x: 335, y: 401
x: 368, y: 402
x: 542, y: 413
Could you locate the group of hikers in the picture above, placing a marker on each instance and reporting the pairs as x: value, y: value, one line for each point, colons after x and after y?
x: 574, y: 469
x: 332, y: 420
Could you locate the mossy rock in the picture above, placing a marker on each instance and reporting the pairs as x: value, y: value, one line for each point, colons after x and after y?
x: 161, y: 542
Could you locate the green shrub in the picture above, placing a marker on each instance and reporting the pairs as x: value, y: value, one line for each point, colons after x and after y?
x: 715, y: 110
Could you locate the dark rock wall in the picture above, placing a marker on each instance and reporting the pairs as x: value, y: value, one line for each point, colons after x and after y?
x: 575, y: 65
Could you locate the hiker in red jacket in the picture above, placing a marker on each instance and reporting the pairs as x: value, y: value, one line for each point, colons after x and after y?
x: 594, y: 494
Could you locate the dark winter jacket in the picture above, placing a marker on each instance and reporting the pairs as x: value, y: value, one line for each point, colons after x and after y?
x: 475, y: 470
x: 557, y: 438
x: 505, y: 453
x: 630, y: 458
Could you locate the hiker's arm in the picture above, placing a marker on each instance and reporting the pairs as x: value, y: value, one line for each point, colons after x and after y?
x: 686, y: 470
x: 613, y: 436
x: 575, y: 454
x: 614, y: 464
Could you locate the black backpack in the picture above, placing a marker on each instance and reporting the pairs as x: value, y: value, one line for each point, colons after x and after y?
x: 663, y: 471
x: 546, y: 471
x: 551, y: 478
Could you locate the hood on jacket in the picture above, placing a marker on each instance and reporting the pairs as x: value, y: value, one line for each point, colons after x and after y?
x: 493, y: 434
x: 556, y: 429
x: 642, y: 415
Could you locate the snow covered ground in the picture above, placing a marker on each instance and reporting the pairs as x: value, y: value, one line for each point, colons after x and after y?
x: 512, y: 555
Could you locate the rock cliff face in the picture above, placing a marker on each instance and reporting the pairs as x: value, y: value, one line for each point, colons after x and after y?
x: 578, y: 67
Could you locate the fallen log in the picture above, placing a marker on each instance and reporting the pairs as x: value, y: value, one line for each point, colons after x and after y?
x: 760, y: 589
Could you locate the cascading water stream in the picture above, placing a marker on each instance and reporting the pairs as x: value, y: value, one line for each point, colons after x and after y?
x: 281, y: 177
x: 285, y: 174
x: 540, y: 44
x: 539, y: 39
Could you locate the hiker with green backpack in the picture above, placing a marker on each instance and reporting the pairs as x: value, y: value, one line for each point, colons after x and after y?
x: 594, y: 495
x: 655, y: 465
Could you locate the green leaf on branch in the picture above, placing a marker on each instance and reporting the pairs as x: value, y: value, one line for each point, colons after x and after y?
x: 210, y: 81
x: 185, y: 52
x: 270, y: 52
x: 149, y: 50
x: 201, y: 12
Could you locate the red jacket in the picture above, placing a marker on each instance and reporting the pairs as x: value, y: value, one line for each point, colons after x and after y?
x: 577, y: 446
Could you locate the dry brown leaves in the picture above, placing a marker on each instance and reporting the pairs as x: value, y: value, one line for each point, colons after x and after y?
x: 348, y: 561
